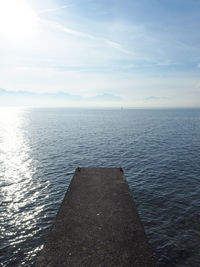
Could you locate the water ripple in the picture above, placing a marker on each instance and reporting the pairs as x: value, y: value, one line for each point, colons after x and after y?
x: 159, y: 151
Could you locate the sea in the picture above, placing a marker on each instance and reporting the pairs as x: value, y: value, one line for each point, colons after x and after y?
x: 158, y: 149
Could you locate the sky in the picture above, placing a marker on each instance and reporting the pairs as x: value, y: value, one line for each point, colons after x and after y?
x: 116, y: 53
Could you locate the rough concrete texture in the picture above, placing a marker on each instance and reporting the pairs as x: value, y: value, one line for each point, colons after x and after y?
x: 97, y: 224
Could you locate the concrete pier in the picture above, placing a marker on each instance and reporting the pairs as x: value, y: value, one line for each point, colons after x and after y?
x: 97, y: 224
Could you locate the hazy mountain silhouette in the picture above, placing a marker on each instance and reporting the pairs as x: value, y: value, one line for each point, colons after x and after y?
x: 17, y: 98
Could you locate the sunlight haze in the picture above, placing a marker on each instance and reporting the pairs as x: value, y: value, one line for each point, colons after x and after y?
x: 139, y: 53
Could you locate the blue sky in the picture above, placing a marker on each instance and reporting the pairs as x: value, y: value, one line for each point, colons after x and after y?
x: 143, y: 53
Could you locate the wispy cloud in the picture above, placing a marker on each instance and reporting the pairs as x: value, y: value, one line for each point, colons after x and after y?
x: 61, y: 28
x: 64, y: 29
x: 165, y: 63
x: 53, y: 9
x: 118, y: 47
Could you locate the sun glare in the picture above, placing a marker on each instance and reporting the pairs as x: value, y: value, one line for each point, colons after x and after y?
x: 17, y: 20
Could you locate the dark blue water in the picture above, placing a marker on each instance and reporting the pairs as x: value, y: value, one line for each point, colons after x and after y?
x: 159, y: 151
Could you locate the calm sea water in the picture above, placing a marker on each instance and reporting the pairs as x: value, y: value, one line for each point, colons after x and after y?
x: 159, y: 151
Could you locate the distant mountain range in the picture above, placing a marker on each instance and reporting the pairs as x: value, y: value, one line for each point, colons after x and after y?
x: 17, y: 98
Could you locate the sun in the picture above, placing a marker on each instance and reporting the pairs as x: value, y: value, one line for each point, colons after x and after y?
x: 17, y: 20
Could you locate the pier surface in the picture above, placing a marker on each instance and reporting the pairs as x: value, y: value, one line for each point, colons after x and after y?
x: 97, y: 224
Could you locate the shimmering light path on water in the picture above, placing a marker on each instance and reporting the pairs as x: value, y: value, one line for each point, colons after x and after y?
x: 158, y: 149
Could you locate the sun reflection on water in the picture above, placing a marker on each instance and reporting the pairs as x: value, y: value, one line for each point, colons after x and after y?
x: 18, y: 191
x: 14, y: 156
